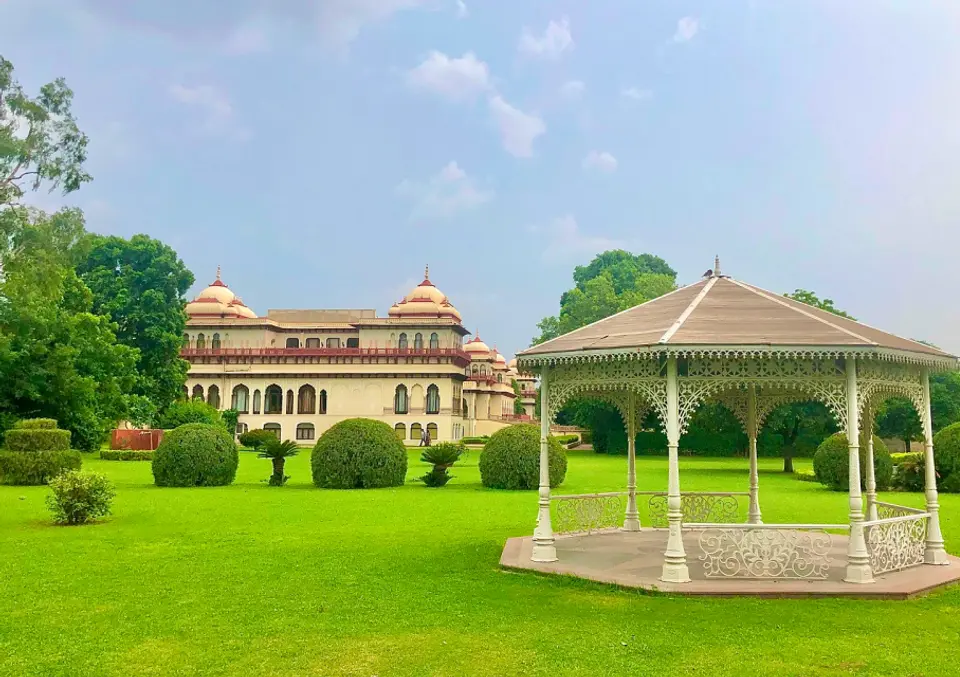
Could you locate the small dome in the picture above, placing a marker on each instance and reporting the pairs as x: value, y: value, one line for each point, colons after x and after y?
x: 425, y: 301
x: 512, y: 364
x: 218, y: 300
x: 476, y: 346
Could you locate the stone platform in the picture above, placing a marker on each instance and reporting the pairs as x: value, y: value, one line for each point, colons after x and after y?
x: 634, y: 560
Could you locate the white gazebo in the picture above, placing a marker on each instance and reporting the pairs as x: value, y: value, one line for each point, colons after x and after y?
x: 722, y: 340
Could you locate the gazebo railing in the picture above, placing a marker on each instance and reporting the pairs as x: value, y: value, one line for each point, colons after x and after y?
x: 898, y: 539
x: 766, y: 551
x: 590, y: 513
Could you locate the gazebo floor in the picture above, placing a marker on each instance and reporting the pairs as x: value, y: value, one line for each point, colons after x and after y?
x: 634, y: 560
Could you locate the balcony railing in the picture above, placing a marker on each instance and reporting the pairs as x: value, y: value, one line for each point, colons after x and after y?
x: 324, y: 352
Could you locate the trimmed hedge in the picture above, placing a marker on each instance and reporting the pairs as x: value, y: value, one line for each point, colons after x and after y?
x: 482, y: 439
x: 511, y: 459
x: 37, y: 439
x: 946, y: 458
x: 37, y: 424
x: 359, y: 453
x: 30, y: 468
x: 196, y: 455
x: 125, y: 455
x: 568, y: 439
x: 831, y: 463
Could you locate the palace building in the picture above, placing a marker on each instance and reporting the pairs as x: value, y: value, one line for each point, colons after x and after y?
x: 300, y: 371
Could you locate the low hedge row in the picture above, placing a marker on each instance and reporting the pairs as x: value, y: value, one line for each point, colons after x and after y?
x: 36, y: 467
x: 481, y: 439
x: 125, y: 455
x: 25, y: 438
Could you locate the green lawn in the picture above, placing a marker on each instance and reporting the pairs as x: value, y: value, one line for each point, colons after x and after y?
x: 254, y: 580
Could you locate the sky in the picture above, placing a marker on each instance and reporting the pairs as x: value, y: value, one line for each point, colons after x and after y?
x: 324, y: 151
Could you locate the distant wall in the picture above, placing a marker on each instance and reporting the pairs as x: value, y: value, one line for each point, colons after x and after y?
x: 137, y: 440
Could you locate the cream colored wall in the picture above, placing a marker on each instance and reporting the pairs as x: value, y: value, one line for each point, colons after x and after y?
x: 389, y: 336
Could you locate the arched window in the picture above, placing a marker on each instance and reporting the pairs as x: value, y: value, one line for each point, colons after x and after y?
x: 293, y: 342
x: 433, y: 400
x: 273, y: 427
x: 393, y: 340
x: 213, y: 396
x: 433, y: 431
x: 201, y: 341
x: 256, y: 401
x: 186, y: 341
x: 402, y: 345
x: 401, y: 431
x: 400, y: 402
x: 313, y: 343
x: 242, y: 428
x: 499, y: 378
x: 323, y: 402
x: 434, y: 341
x: 333, y: 342
x: 465, y: 409
x: 416, y: 430
x: 273, y: 400
x: 215, y: 342
x: 198, y: 392
x: 240, y: 399
x: 305, y: 431
x: 418, y: 341
x: 289, y: 401
x: 474, y: 369
x: 307, y: 400
x: 353, y: 342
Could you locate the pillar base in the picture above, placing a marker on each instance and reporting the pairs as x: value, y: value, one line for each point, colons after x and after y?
x: 545, y: 552
x: 754, y: 519
x: 858, y: 573
x: 936, y: 556
x: 675, y: 573
x: 631, y: 524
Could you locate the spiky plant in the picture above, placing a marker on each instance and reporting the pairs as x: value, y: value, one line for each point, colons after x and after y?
x: 441, y: 456
x: 278, y: 452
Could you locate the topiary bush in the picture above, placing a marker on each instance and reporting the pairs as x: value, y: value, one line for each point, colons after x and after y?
x: 182, y: 412
x: 946, y: 458
x: 254, y: 439
x: 831, y: 463
x: 196, y: 455
x: 36, y: 452
x: 359, y: 453
x: 80, y: 497
x: 909, y: 471
x: 511, y: 459
x: 126, y: 455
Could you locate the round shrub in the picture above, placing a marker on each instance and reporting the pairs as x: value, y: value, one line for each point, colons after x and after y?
x: 37, y: 423
x: 831, y: 463
x: 511, y: 459
x: 359, y: 453
x: 80, y: 497
x: 195, y: 455
x: 183, y: 412
x: 946, y: 457
x: 256, y: 438
x: 31, y: 468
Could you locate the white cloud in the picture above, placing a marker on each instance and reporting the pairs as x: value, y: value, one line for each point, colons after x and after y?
x: 448, y: 193
x: 687, y: 28
x: 602, y: 161
x: 457, y: 79
x: 247, y: 38
x: 216, y: 111
x: 635, y: 93
x: 572, y: 89
x: 556, y: 39
x: 462, y: 11
x: 518, y: 130
x: 340, y: 21
x: 565, y: 240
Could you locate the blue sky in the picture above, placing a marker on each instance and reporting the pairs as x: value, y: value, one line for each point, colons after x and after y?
x: 324, y: 151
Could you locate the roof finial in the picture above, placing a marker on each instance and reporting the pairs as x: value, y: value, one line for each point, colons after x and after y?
x: 716, y: 266
x: 218, y: 273
x: 426, y: 272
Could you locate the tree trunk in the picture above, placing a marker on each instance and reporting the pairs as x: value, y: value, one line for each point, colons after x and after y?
x: 906, y: 444
x: 278, y: 467
x: 788, y: 459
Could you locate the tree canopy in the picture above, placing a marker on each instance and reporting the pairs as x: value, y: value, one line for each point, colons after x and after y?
x: 811, y: 299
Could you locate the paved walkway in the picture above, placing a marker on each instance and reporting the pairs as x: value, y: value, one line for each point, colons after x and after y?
x: 635, y: 559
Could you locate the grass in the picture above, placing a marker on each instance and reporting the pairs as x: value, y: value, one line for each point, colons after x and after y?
x: 257, y: 580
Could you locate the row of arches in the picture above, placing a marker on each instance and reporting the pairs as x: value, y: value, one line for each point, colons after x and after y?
x: 314, y: 342
x: 416, y: 430
x: 200, y: 342
x: 403, y: 341
x: 306, y: 401
x: 401, y: 400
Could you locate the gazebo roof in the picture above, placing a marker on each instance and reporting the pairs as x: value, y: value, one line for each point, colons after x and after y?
x: 719, y: 315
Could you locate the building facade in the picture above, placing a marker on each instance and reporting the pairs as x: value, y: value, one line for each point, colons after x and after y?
x: 298, y: 372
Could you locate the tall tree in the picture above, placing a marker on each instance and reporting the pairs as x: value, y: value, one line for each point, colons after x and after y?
x: 40, y: 142
x: 811, y: 299
x: 141, y: 284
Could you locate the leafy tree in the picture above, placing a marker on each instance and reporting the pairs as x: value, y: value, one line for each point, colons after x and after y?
x: 141, y: 284
x: 945, y: 399
x: 39, y: 139
x: 811, y: 299
x: 182, y: 412
x: 230, y: 418
x: 517, y: 402
x: 796, y: 422
x: 278, y: 452
x: 254, y: 439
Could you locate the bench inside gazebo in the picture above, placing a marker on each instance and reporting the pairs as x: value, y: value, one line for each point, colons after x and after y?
x: 721, y: 340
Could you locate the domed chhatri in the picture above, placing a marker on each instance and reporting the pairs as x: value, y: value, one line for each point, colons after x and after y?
x: 722, y: 341
x: 291, y: 369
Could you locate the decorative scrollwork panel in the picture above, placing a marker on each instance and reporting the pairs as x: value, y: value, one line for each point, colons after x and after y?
x: 586, y: 514
x: 896, y: 545
x: 765, y: 553
x: 712, y: 508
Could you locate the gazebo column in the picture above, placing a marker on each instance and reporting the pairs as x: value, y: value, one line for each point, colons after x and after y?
x: 631, y: 521
x: 674, y: 558
x: 858, y: 559
x: 934, y: 552
x: 753, y: 512
x: 543, y: 543
x: 870, y: 469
